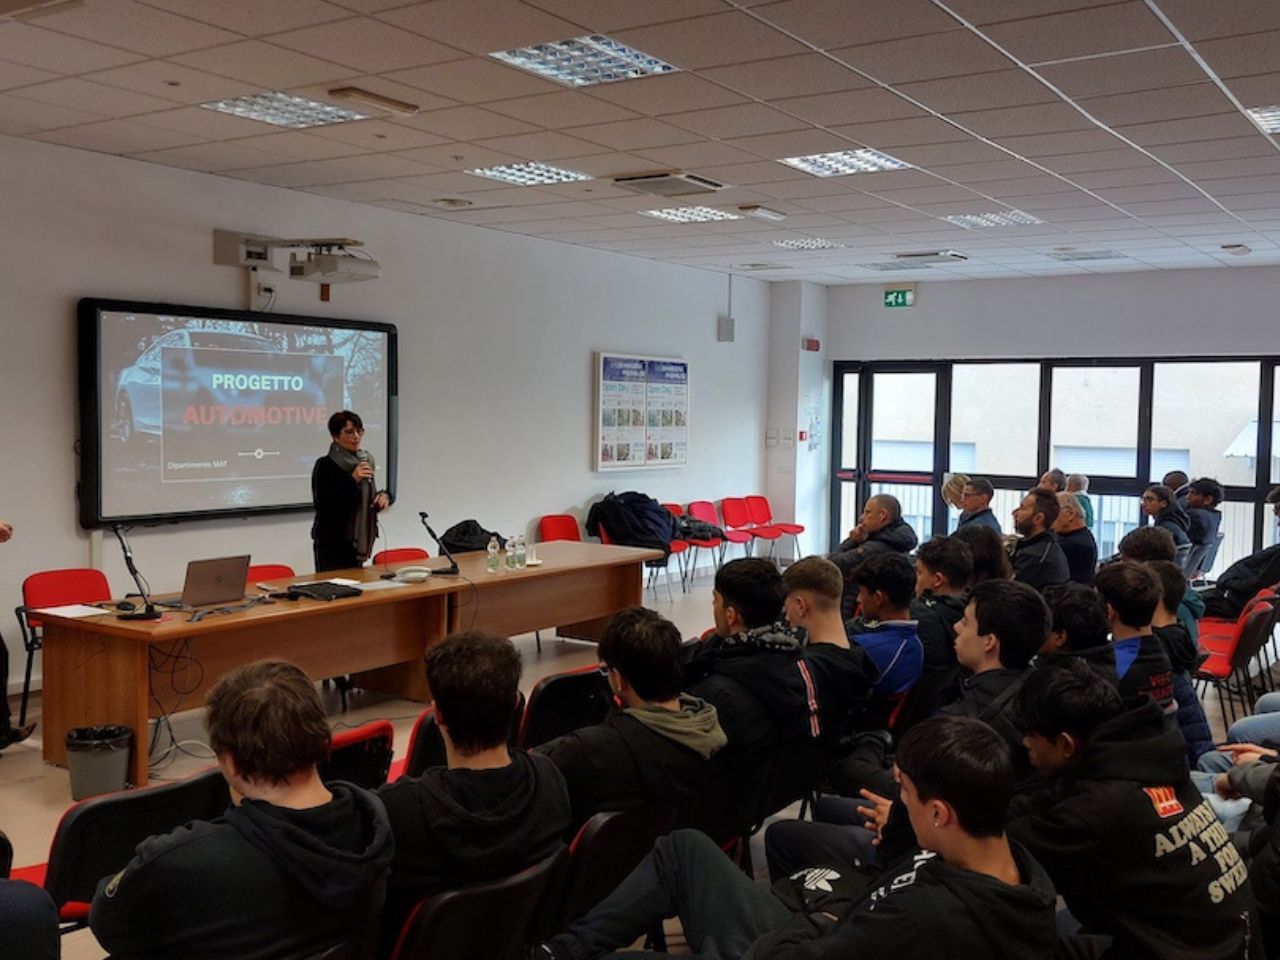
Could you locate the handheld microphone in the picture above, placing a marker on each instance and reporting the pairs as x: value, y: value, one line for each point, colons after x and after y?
x: 453, y: 564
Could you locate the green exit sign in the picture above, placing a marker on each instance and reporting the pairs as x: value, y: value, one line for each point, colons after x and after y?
x: 899, y: 297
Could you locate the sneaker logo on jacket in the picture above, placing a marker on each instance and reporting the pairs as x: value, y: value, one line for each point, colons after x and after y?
x: 1164, y: 800
x: 817, y: 878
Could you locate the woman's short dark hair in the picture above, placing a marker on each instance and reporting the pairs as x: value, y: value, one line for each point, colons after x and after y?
x: 1148, y: 543
x: 340, y: 419
x: 753, y: 587
x: 950, y: 557
x: 1064, y: 695
x: 990, y: 559
x: 964, y: 763
x: 644, y: 647
x: 268, y: 718
x: 1016, y: 614
x: 1080, y: 613
x: 475, y: 680
x: 1132, y: 589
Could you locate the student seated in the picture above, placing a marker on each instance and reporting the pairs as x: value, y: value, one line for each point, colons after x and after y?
x: 652, y: 752
x: 1132, y: 593
x: 990, y: 558
x: 1166, y: 513
x: 1079, y: 619
x: 944, y: 566
x: 975, y: 502
x: 968, y: 892
x: 1038, y: 560
x: 1155, y: 543
x: 488, y: 813
x: 1184, y: 658
x: 880, y: 530
x: 29, y: 921
x: 1203, y: 497
x: 1131, y: 845
x: 884, y: 628
x: 293, y: 868
x: 1076, y: 539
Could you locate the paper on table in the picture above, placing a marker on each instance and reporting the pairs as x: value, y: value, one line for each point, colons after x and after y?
x: 72, y: 610
x: 378, y: 585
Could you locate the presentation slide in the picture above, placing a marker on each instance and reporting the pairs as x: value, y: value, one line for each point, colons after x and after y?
x: 202, y: 414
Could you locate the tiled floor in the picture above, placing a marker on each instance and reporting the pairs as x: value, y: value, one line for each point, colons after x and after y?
x: 33, y: 795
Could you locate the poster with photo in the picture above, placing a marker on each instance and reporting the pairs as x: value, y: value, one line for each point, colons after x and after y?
x: 642, y: 412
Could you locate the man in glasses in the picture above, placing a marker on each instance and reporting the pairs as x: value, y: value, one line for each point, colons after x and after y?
x: 975, y: 504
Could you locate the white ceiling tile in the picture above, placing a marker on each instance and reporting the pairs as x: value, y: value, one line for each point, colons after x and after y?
x: 985, y: 172
x: 742, y: 120
x: 753, y: 172
x: 367, y: 45
x: 1118, y: 159
x: 1080, y: 33
x: 1050, y: 144
x: 36, y: 47
x: 544, y: 145
x: 270, y: 67
x: 1204, y: 21
x: 1229, y: 148
x: 467, y: 123
x: 980, y: 91
x: 371, y: 6
x: 886, y: 134
x: 938, y: 154
x: 839, y: 23
x: 799, y: 75
x: 951, y: 54
x: 667, y: 93
x: 1030, y: 187
x: 915, y: 196
x: 202, y: 124
x: 1243, y: 167
x: 462, y: 156
x: 172, y: 81
x: 475, y: 80
x: 1258, y: 91
x: 210, y: 157
x: 254, y: 18
x: 83, y: 95
x: 633, y: 134
x: 26, y: 115
x: 1234, y: 186
x: 379, y: 85
x: 1219, y: 126
x: 775, y: 146
x: 1124, y: 73
x: 605, y: 165
x: 1242, y: 56
x: 1126, y: 177
x: 17, y: 75
x: 381, y: 136
x: 599, y: 17
x: 1124, y: 196
x: 555, y: 110
x: 297, y: 145
x: 117, y: 136
x: 1151, y: 106
x: 132, y: 26
x: 711, y: 41
x: 694, y: 156
x: 1023, y: 121
x: 364, y: 191
x: 1156, y: 209
x: 481, y: 26
x: 853, y: 106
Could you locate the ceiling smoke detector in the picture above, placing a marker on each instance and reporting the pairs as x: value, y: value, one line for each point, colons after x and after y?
x: 669, y: 183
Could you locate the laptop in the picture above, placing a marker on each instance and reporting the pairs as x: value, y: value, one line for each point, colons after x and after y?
x: 220, y: 580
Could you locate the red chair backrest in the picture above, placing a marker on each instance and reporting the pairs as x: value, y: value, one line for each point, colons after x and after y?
x: 674, y: 509
x: 759, y: 510
x: 361, y: 756
x: 735, y: 512
x: 53, y: 588
x: 268, y: 571
x: 564, y: 702
x: 604, y: 535
x: 705, y: 511
x: 559, y: 526
x: 401, y: 555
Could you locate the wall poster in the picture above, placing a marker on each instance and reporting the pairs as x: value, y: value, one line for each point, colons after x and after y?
x: 642, y: 412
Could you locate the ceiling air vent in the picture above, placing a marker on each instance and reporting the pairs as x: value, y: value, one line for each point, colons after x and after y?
x: 893, y: 265
x: 669, y: 184
x: 762, y: 266
x: 931, y: 256
x: 1075, y: 256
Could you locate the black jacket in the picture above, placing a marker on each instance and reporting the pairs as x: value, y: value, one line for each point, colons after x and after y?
x: 923, y: 909
x: 260, y: 883
x: 1039, y: 561
x: 935, y: 616
x: 1137, y: 852
x: 896, y: 537
x: 624, y: 763
x: 1081, y: 551
x: 337, y: 499
x: 983, y: 518
x: 1184, y: 655
x: 1137, y: 667
x: 1264, y: 872
x: 1174, y: 519
x: 1204, y: 525
x: 458, y: 827
x: 632, y: 522
x: 989, y: 696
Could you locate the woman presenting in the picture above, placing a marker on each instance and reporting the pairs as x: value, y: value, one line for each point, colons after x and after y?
x: 346, y: 501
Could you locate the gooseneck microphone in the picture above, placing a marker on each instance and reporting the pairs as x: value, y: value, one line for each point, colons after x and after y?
x: 148, y: 611
x: 452, y: 569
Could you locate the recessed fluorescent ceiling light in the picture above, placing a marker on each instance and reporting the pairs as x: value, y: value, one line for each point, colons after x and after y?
x: 691, y: 214
x: 1073, y: 256
x: 284, y: 110
x: 529, y: 174
x: 894, y: 265
x: 807, y: 243
x: 1268, y: 118
x: 843, y: 162
x: 999, y: 218
x: 582, y: 61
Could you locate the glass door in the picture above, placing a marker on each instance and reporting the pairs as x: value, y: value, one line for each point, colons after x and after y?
x: 902, y: 424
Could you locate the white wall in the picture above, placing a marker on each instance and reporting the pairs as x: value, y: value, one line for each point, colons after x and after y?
x: 496, y: 340
x: 1175, y: 313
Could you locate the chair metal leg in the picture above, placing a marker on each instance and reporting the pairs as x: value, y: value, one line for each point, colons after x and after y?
x: 667, y: 571
x: 26, y: 689
x: 537, y: 640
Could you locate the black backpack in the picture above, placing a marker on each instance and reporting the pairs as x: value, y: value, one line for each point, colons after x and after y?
x: 468, y: 537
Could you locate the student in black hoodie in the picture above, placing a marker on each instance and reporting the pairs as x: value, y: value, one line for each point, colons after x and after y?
x: 880, y: 530
x: 969, y: 893
x: 1184, y: 658
x: 1079, y: 619
x: 653, y: 751
x: 488, y: 813
x: 1132, y: 593
x: 1133, y: 847
x: 1203, y: 497
x: 944, y: 566
x: 294, y: 868
x: 1038, y: 560
x: 1166, y: 512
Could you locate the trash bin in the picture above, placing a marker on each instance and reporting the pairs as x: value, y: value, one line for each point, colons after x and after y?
x: 98, y: 759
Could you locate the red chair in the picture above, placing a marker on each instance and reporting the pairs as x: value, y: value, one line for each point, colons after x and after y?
x: 53, y: 588
x: 1227, y: 668
x: 738, y: 518
x: 564, y: 702
x: 559, y: 526
x: 711, y: 543
x: 762, y: 516
x: 705, y: 511
x: 426, y: 743
x: 259, y: 572
x: 361, y: 756
x: 400, y: 555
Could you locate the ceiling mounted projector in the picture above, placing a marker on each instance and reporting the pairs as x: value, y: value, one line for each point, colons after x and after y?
x: 335, y: 266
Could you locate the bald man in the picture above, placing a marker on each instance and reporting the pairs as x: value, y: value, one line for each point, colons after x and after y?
x: 881, y: 529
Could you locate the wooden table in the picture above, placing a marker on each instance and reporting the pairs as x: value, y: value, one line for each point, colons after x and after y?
x: 100, y: 670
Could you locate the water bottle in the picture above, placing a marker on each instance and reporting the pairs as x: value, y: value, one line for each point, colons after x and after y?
x: 521, y: 555
x: 491, y: 565
x: 511, y: 553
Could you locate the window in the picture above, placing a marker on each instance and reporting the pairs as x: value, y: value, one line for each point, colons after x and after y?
x: 1096, y: 409
x: 849, y: 414
x: 994, y: 413
x: 917, y: 505
x: 903, y: 413
x: 1114, y: 461
x: 916, y: 455
x: 1209, y: 412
